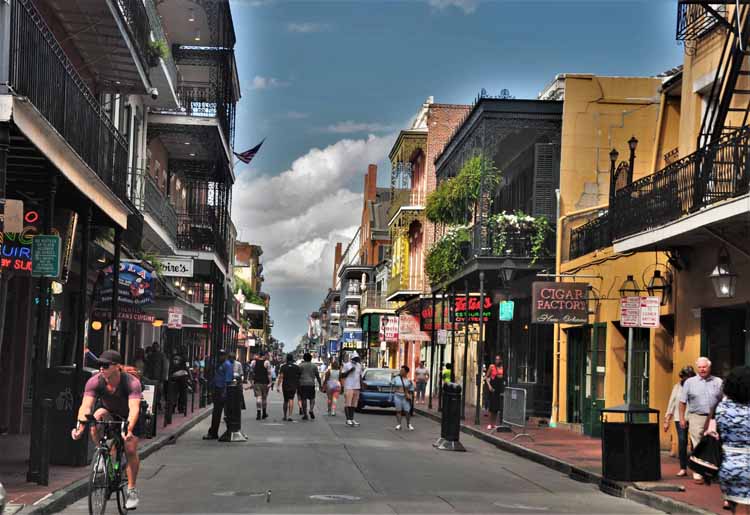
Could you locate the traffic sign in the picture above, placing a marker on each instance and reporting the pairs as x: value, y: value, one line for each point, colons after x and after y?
x: 639, y: 312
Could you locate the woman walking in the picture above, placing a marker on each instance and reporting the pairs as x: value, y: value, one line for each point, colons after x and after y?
x: 733, y: 425
x: 332, y: 384
x: 673, y: 414
x: 494, y: 381
x: 352, y: 376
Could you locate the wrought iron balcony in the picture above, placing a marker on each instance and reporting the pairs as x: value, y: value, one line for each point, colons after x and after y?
x: 507, y: 242
x: 135, y: 16
x: 158, y: 205
x: 712, y: 174
x: 201, y: 230
x: 373, y: 299
x: 695, y: 21
x: 40, y: 71
x: 593, y: 235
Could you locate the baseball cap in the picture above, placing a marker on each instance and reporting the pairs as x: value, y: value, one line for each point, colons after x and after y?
x: 110, y: 356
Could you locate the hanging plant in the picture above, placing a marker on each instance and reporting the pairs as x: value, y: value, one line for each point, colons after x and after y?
x: 157, y: 49
x: 152, y: 260
x: 444, y: 258
x: 536, y: 228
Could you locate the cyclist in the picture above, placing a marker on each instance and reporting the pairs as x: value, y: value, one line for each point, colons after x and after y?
x: 120, y: 396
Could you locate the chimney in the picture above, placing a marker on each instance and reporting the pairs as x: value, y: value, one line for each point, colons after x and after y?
x: 336, y: 262
x: 371, y: 182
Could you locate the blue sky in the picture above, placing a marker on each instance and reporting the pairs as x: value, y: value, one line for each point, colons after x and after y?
x: 329, y: 84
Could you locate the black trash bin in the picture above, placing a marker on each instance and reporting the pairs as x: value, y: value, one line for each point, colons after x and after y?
x: 630, y: 443
x: 58, y: 386
x: 152, y: 396
x: 450, y: 423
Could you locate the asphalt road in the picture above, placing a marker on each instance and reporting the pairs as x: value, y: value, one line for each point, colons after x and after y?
x: 377, y: 469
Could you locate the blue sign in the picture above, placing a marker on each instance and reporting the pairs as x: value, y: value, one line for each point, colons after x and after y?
x: 506, y: 310
x: 136, y: 285
x: 333, y: 346
x: 352, y: 335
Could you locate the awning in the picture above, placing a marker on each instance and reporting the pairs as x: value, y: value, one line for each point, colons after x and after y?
x: 191, y: 314
x: 249, y: 306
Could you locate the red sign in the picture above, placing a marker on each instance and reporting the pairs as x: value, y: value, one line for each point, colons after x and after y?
x: 133, y: 316
x: 459, y: 311
x: 15, y: 248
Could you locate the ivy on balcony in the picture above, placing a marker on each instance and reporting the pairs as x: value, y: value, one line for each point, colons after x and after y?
x: 505, y: 225
x: 445, y: 257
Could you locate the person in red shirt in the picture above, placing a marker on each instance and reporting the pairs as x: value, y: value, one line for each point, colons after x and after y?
x: 495, y: 384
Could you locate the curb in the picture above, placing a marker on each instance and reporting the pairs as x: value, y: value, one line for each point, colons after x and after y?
x: 67, y: 495
x: 615, y: 488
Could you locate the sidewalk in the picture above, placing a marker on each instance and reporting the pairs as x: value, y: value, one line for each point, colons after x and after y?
x: 14, y: 450
x: 580, y: 457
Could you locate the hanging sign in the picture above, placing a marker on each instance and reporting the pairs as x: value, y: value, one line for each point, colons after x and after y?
x: 172, y: 266
x: 389, y: 328
x: 15, y: 251
x: 639, y: 312
x: 442, y: 337
x: 174, y: 321
x: 506, y: 310
x: 554, y: 303
x: 45, y: 256
x: 461, y: 310
x: 136, y: 285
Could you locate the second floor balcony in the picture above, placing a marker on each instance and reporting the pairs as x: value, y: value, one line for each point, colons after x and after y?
x: 158, y: 205
x: 594, y: 235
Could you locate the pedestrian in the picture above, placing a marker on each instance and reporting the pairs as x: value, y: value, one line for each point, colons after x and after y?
x: 495, y: 384
x: 447, y: 373
x: 222, y: 372
x: 403, y: 397
x: 698, y: 400
x: 421, y: 376
x: 261, y: 379
x: 308, y: 376
x: 352, y: 375
x: 179, y: 379
x: 733, y: 426
x: 273, y: 375
x: 673, y: 413
x: 332, y: 387
x: 288, y: 383
x: 155, y: 363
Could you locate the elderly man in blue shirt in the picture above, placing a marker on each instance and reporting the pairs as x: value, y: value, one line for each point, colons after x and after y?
x: 698, y: 400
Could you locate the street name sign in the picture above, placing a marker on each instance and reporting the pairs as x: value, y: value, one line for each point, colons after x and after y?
x: 45, y: 256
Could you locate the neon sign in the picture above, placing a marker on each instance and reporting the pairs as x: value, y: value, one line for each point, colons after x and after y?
x: 15, y: 248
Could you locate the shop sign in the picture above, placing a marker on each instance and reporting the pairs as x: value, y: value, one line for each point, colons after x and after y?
x: 15, y: 252
x: 135, y: 288
x: 174, y: 320
x: 45, y: 256
x: 409, y: 329
x: 554, y: 303
x: 172, y: 266
x: 460, y: 309
x: 333, y: 346
x: 639, y: 312
x: 442, y: 320
x: 389, y: 328
x: 442, y: 337
x: 352, y: 335
x: 130, y: 316
x: 506, y: 310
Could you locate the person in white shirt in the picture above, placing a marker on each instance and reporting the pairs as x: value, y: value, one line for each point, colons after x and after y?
x: 673, y: 414
x: 352, y: 376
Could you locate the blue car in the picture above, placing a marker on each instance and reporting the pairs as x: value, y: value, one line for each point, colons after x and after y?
x: 376, y: 388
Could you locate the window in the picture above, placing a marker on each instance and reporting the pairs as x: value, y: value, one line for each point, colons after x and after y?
x: 526, y: 356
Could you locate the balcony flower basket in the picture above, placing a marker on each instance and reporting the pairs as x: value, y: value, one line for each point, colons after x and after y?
x: 531, y: 231
x: 157, y: 49
x: 445, y: 257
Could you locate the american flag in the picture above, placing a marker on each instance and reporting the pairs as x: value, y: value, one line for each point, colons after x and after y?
x: 248, y: 155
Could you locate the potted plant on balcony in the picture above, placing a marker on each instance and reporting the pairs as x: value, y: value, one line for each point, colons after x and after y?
x: 157, y: 49
x: 536, y: 229
x: 445, y: 257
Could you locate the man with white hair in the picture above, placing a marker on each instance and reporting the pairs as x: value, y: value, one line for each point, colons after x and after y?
x: 699, y: 398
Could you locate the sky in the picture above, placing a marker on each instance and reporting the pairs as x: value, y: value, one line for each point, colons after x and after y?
x: 330, y: 84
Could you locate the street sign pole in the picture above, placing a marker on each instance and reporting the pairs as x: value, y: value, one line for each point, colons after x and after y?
x: 628, y: 390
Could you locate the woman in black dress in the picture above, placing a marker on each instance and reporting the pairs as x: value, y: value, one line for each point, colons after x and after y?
x: 495, y: 382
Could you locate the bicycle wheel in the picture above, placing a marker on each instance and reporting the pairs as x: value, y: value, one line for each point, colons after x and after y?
x: 122, y: 495
x: 98, y: 483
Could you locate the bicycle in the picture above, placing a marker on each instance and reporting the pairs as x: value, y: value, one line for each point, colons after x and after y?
x: 107, y: 474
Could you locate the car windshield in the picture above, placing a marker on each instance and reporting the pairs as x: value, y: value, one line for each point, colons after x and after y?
x: 379, y: 376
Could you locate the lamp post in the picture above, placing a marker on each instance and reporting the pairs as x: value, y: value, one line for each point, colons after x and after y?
x: 629, y: 288
x: 613, y: 155
x: 632, y: 143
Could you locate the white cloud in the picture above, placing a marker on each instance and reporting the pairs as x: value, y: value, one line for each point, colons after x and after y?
x: 307, y: 27
x: 467, y: 6
x: 296, y: 115
x: 352, y: 127
x: 260, y: 82
x: 300, y: 214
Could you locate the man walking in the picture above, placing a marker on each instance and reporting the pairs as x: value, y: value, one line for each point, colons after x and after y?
x: 288, y: 383
x: 352, y: 374
x: 308, y: 376
x: 699, y: 397
x: 422, y: 377
x: 223, y: 375
x: 403, y: 397
x: 260, y: 373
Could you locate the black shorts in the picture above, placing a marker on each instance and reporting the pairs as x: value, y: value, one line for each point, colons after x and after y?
x: 307, y: 392
x: 140, y: 425
x: 289, y: 395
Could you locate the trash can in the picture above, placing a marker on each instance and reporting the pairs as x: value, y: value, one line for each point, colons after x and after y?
x: 58, y: 386
x: 152, y: 396
x: 630, y: 443
x: 450, y: 423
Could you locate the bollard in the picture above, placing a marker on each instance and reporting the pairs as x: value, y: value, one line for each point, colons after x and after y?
x: 44, y: 446
x: 203, y: 399
x: 233, y: 415
x: 192, y: 399
x: 450, y: 423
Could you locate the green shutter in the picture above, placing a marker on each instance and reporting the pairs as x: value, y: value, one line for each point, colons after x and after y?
x: 546, y: 180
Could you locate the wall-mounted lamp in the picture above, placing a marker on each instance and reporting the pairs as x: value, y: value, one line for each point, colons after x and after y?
x: 660, y: 287
x: 96, y: 325
x: 629, y: 288
x: 723, y: 277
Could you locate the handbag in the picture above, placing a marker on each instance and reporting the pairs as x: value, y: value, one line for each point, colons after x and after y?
x: 706, y: 458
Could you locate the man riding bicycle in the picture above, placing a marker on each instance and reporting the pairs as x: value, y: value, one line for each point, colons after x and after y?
x: 119, y: 394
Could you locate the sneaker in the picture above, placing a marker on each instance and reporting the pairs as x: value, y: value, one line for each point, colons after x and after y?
x: 355, y: 423
x: 312, y: 415
x: 132, y: 501
x: 350, y: 423
x: 411, y: 427
x: 398, y: 427
x: 333, y: 413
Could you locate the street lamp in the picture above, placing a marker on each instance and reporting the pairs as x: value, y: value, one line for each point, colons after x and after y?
x: 613, y: 155
x: 629, y: 288
x: 632, y: 143
x: 507, y: 271
x: 658, y: 286
x: 723, y: 277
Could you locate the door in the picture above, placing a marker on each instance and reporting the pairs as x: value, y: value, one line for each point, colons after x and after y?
x: 725, y: 338
x: 577, y: 345
x: 640, y: 370
x: 596, y: 359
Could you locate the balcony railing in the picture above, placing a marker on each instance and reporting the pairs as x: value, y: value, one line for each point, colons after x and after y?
x: 593, y: 235
x: 201, y: 230
x: 158, y: 30
x: 158, y: 205
x: 40, y: 71
x: 204, y: 102
x: 507, y: 242
x: 712, y: 174
x: 136, y: 18
x: 374, y: 299
x: 694, y: 21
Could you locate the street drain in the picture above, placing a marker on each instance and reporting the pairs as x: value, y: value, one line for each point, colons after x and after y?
x: 240, y: 494
x: 335, y: 498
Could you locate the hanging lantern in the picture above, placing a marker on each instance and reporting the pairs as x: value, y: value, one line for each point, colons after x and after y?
x: 723, y: 277
x: 658, y: 286
x: 629, y: 288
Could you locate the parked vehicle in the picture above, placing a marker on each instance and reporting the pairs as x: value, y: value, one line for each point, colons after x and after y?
x: 376, y: 388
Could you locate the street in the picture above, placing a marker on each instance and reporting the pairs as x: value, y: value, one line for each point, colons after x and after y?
x: 376, y: 468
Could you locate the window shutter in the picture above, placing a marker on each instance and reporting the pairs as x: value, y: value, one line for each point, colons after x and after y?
x: 546, y: 180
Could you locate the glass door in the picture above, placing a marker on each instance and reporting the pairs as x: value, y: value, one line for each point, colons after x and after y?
x: 596, y: 359
x: 577, y: 345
